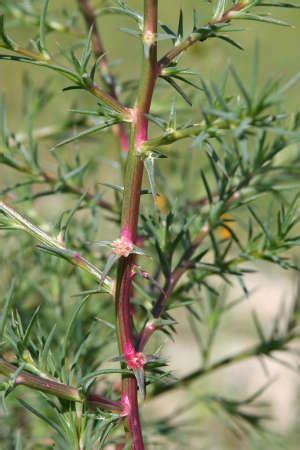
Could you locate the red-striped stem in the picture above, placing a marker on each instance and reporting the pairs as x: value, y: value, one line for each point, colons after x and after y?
x: 60, y: 390
x: 130, y: 214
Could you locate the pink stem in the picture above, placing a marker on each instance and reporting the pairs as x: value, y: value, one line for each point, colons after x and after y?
x: 58, y: 389
x: 130, y: 214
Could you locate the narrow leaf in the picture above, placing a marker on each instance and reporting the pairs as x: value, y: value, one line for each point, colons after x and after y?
x: 86, y: 133
x: 43, y: 27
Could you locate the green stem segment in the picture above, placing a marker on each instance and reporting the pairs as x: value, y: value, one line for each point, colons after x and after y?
x: 53, y: 245
x: 130, y: 213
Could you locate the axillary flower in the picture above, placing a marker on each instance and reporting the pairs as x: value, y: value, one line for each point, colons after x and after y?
x: 122, y: 247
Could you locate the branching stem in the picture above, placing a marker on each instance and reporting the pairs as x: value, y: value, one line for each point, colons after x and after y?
x: 257, y: 350
x: 58, y: 389
x: 131, y: 202
x: 195, y: 37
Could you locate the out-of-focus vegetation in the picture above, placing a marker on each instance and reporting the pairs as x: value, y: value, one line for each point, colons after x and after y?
x: 30, y: 278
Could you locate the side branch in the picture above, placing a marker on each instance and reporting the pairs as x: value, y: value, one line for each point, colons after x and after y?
x: 52, y: 181
x: 105, y: 73
x: 91, y: 23
x: 84, y: 81
x: 182, y: 267
x: 52, y: 245
x: 266, y: 348
x: 202, y: 35
x: 53, y: 387
x: 178, y: 272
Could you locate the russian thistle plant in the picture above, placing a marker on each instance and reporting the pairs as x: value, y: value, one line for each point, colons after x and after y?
x: 83, y: 318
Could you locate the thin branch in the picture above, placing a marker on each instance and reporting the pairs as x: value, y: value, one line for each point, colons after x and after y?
x: 60, y: 390
x: 178, y: 272
x: 105, y: 73
x: 53, y: 181
x: 260, y: 349
x: 53, y: 25
x: 195, y: 37
x: 110, y: 101
x: 182, y: 267
x: 52, y: 245
x: 68, y: 188
x: 36, y: 59
x: 45, y: 177
x: 216, y: 128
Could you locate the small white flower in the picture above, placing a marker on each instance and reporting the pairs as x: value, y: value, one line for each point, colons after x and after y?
x: 122, y: 247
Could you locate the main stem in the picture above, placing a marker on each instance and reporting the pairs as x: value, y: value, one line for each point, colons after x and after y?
x: 130, y: 214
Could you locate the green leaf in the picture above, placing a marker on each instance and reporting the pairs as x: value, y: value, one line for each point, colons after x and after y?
x: 29, y: 327
x: 261, y: 224
x: 7, y: 42
x: 131, y: 32
x: 258, y: 327
x: 241, y: 87
x: 37, y: 413
x: 114, y: 187
x: 109, y: 325
x: 111, y: 260
x: 266, y: 19
x: 74, y: 258
x: 65, y: 228
x: 43, y: 28
x: 180, y: 26
x: 283, y: 89
x: 67, y: 73
x: 123, y: 9
x: 229, y: 40
x: 23, y: 223
x: 279, y: 4
x: 178, y: 89
x: 46, y: 349
x: 140, y: 379
x: 5, y: 309
x: 70, y: 326
x: 4, y: 132
x: 149, y: 166
x: 18, y: 441
x: 169, y: 32
x: 87, y: 51
x: 219, y: 9
x: 76, y: 63
x: 107, y: 430
x: 100, y: 372
x: 85, y: 133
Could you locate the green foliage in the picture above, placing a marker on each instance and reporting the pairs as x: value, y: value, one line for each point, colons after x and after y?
x: 203, y: 226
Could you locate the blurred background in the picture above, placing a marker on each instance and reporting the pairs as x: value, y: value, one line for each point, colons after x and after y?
x: 280, y: 58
